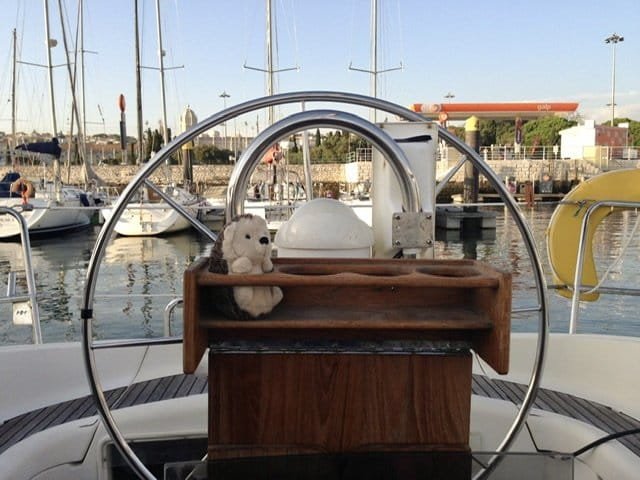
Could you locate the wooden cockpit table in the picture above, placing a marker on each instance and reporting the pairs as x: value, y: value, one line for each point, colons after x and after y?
x: 360, y: 355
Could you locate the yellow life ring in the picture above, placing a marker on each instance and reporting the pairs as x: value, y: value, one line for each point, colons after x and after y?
x: 563, y: 233
x: 23, y: 187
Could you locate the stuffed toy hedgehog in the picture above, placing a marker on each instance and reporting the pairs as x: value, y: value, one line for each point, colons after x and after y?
x: 244, y: 247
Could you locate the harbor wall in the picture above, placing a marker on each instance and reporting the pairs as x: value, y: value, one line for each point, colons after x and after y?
x: 329, y: 176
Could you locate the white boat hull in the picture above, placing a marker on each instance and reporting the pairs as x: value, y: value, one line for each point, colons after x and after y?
x: 149, y: 219
x: 54, y: 373
x: 45, y: 216
x: 155, y: 218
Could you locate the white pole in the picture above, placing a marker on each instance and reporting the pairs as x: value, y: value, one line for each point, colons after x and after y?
x: 165, y: 131
x: 270, y: 88
x: 54, y: 124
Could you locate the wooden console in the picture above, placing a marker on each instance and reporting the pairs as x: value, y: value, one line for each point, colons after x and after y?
x: 359, y: 355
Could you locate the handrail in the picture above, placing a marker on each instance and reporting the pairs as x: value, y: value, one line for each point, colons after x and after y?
x: 28, y: 271
x: 168, y: 314
x: 577, y: 284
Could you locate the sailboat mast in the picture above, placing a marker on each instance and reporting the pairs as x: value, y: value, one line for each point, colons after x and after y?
x: 138, y: 87
x: 82, y: 70
x: 165, y: 131
x: 72, y: 81
x: 54, y: 125
x: 373, y: 66
x: 13, y: 94
x: 270, y: 71
x: 374, y: 51
x: 269, y: 30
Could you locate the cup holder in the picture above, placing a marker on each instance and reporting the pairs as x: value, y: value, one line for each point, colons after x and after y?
x: 306, y: 270
x: 448, y: 271
x: 316, y: 270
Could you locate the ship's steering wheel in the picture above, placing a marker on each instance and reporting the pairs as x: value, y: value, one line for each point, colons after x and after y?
x: 237, y: 187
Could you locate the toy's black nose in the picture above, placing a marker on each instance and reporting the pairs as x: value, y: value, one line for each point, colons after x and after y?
x: 264, y: 240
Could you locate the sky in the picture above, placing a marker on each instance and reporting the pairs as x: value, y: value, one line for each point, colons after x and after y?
x: 489, y: 51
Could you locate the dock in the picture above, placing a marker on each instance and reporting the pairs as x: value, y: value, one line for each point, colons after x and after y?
x: 455, y: 217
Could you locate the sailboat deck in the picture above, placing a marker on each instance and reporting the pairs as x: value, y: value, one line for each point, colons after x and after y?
x: 18, y: 428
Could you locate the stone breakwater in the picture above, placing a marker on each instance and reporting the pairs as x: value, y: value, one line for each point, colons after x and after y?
x: 204, y: 176
x: 327, y: 176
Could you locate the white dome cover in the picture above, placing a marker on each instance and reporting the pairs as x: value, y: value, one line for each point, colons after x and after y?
x: 326, y: 224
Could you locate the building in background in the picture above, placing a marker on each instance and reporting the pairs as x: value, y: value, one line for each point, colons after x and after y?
x: 596, y: 143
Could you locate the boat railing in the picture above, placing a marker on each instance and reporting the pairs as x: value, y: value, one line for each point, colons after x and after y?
x: 578, y: 287
x: 25, y: 307
x: 168, y: 314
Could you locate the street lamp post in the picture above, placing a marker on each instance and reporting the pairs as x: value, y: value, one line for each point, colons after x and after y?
x: 613, y: 40
x: 224, y: 95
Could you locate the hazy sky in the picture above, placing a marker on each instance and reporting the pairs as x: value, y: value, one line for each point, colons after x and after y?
x: 503, y: 50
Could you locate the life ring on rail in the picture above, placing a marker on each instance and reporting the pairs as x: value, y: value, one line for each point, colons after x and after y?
x: 273, y: 155
x: 563, y: 233
x: 24, y: 187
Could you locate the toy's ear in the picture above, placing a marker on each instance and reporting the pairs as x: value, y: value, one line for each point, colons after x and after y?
x: 227, y: 241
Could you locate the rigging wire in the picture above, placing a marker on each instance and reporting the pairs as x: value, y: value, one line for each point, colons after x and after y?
x: 69, y: 83
x: 618, y: 259
x: 294, y: 21
x: 400, y: 33
x: 5, y: 78
x: 249, y: 17
x: 179, y: 42
x: 276, y: 50
x: 173, y: 33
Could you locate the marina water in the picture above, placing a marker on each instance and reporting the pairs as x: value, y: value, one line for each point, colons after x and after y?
x: 139, y: 276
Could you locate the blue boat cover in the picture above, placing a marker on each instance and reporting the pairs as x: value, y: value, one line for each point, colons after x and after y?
x: 52, y: 147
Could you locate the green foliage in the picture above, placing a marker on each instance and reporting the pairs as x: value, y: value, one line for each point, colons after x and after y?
x: 211, y: 155
x: 634, y: 133
x: 156, y: 141
x: 148, y: 143
x: 505, y: 132
x: 457, y: 131
x: 634, y: 130
x: 294, y: 148
x: 153, y: 142
x: 487, y: 132
x: 332, y: 148
x: 497, y: 132
x: 545, y: 130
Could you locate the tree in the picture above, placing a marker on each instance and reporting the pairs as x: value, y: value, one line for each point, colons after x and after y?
x: 156, y: 141
x: 545, y: 130
x: 294, y: 147
x: 633, y: 138
x: 487, y: 132
x: 148, y: 144
x: 210, y: 154
x: 505, y: 132
x: 634, y: 133
x: 318, y: 137
x: 497, y: 132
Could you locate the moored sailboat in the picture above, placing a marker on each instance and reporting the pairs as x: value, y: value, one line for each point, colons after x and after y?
x: 48, y: 206
x: 153, y: 213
